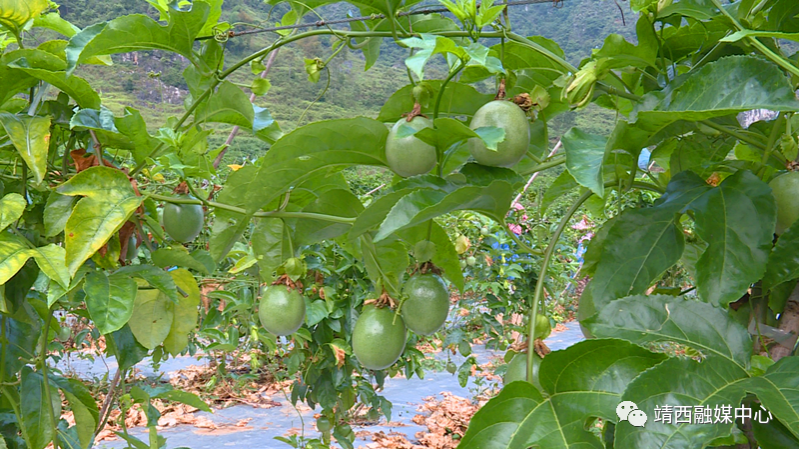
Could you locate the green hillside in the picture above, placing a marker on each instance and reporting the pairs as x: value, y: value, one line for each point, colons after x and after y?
x: 153, y: 82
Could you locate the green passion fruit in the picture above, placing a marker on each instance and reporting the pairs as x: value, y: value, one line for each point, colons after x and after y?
x: 786, y: 193
x: 409, y: 156
x: 542, y: 326
x: 281, y: 310
x: 183, y: 222
x: 511, y: 118
x: 427, y: 303
x: 378, y: 340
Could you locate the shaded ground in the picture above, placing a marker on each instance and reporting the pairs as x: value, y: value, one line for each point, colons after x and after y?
x: 244, y: 426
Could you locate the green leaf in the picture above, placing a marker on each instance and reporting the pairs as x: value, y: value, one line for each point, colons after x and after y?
x: 682, y: 382
x: 520, y: 416
x: 152, y: 318
x: 36, y: 413
x: 184, y: 397
x: 177, y: 256
x: 84, y: 408
x: 777, y: 391
x: 695, y: 9
x: 13, y: 255
x: 33, y: 63
x: 385, y: 263
x: 52, y: 261
x: 737, y: 220
x: 727, y: 86
x: 662, y: 318
x: 270, y: 245
x: 492, y: 200
x: 126, y: 348
x: 56, y: 212
x: 338, y: 203
x: 584, y: 155
x: 774, y: 435
x: 783, y: 262
x: 185, y: 311
x: 154, y: 276
x: 128, y: 132
x: 109, y: 200
x: 742, y: 34
x: 21, y: 338
x: 307, y: 152
x: 31, y: 138
x: 109, y: 300
x: 699, y: 153
x: 229, y: 104
x: 55, y: 22
x: 11, y: 208
x: 138, y: 32
x: 14, y: 14
x: 562, y: 185
x: 640, y: 246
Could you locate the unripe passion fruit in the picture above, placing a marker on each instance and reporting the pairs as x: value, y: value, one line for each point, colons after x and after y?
x: 427, y: 305
x: 409, y: 156
x: 510, y: 117
x: 786, y: 194
x: 471, y: 261
x: 542, y: 326
x: 282, y: 311
x: 183, y: 222
x: 378, y: 340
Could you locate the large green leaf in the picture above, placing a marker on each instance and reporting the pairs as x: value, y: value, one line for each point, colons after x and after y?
x: 138, y: 32
x: 584, y: 155
x: 681, y: 382
x: 21, y: 338
x: 490, y: 193
x: 727, y: 86
x: 737, y: 220
x: 127, y: 350
x: 11, y: 208
x: 783, y: 262
x: 699, y: 153
x: 270, y: 245
x: 109, y: 300
x: 31, y: 138
x: 154, y: 276
x: 638, y: 249
x: 178, y: 256
x: 385, y: 262
x: 74, y: 86
x: 186, y: 311
x: 520, y: 416
x: 778, y: 390
x: 13, y: 255
x: 152, y: 318
x: 109, y: 200
x: 84, y: 408
x: 14, y: 14
x: 128, y: 132
x: 36, y: 413
x: 661, y: 318
x: 338, y: 203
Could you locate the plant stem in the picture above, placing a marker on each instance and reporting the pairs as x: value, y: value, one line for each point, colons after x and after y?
x: 539, y: 285
x: 519, y: 241
x: 262, y: 214
x: 47, y: 395
x: 776, y: 131
x: 105, y: 411
x: 779, y: 60
x: 440, y: 94
x: 3, y: 346
x: 546, y: 165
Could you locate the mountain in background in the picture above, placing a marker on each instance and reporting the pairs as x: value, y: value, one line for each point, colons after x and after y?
x: 152, y: 83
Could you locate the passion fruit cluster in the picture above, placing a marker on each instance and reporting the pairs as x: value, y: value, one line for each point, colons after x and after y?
x: 410, y: 156
x: 378, y: 339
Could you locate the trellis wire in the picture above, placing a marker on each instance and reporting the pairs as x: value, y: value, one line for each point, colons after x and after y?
x: 321, y: 23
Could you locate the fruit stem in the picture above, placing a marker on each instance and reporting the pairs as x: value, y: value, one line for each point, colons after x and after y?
x: 440, y: 94
x: 539, y: 285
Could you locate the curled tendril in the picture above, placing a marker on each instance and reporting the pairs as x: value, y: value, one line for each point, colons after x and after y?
x: 222, y: 36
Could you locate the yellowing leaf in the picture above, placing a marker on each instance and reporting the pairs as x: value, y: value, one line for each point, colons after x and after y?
x: 109, y: 200
x: 13, y: 255
x: 185, y: 312
x: 14, y: 14
x: 234, y: 167
x: 11, y: 208
x: 31, y: 138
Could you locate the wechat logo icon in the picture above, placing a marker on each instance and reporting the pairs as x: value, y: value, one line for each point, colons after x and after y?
x: 628, y: 411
